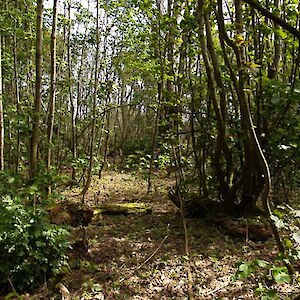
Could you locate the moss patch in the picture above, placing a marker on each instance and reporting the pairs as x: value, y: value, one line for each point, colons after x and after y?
x: 123, y: 208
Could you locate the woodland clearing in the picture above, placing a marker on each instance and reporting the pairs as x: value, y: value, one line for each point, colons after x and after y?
x: 142, y: 256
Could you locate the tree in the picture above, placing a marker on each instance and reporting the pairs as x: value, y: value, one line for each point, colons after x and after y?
x: 38, y: 96
x: 172, y: 81
x: 51, y: 108
x: 95, y: 96
x: 1, y: 113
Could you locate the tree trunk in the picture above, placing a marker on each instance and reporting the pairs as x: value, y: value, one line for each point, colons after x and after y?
x: 70, y: 90
x: 160, y: 84
x: 1, y: 113
x: 38, y: 96
x: 51, y: 109
x: 93, y: 133
x: 17, y: 95
x: 214, y: 83
x: 253, y: 140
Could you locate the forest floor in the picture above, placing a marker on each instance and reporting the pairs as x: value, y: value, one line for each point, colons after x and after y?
x: 142, y: 256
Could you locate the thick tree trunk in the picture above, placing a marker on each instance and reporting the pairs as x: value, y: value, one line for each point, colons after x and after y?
x: 214, y: 84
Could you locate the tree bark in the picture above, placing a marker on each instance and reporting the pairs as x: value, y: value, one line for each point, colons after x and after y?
x: 70, y: 90
x: 38, y: 96
x: 51, y: 109
x: 249, y: 126
x: 160, y: 84
x: 1, y: 113
x: 17, y: 95
x: 93, y: 133
x: 214, y: 83
x: 273, y: 68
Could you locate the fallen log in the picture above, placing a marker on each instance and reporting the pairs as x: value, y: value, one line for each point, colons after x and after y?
x: 68, y: 213
x: 123, y: 208
x: 237, y: 228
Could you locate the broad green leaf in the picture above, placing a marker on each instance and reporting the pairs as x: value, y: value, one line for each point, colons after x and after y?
x: 33, y: 189
x: 281, y: 33
x: 282, y: 278
x: 245, y: 269
x: 262, y: 263
x: 10, y: 296
x: 280, y: 275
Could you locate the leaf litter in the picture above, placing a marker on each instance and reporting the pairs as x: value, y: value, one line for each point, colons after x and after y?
x: 142, y: 256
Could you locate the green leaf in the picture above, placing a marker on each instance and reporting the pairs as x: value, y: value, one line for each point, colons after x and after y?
x: 262, y: 263
x: 11, y: 295
x: 270, y: 295
x: 288, y: 243
x: 245, y: 269
x: 11, y: 180
x: 96, y: 287
x: 282, y: 278
x: 33, y: 189
x: 281, y: 33
x: 280, y: 275
x: 260, y: 289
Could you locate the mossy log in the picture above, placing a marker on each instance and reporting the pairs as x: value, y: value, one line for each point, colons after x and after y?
x: 123, y: 208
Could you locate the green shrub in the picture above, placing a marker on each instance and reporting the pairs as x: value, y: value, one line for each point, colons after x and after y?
x: 31, y: 249
x: 141, y: 145
x: 270, y: 275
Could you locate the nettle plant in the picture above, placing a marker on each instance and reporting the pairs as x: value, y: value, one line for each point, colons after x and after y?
x: 31, y: 249
x: 270, y: 275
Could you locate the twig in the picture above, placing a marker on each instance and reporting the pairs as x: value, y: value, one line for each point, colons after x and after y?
x: 247, y: 232
x: 11, y: 284
x: 156, y: 250
x: 187, y: 250
x: 209, y: 293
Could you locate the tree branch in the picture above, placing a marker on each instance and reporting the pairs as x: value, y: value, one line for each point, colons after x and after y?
x: 254, y: 4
